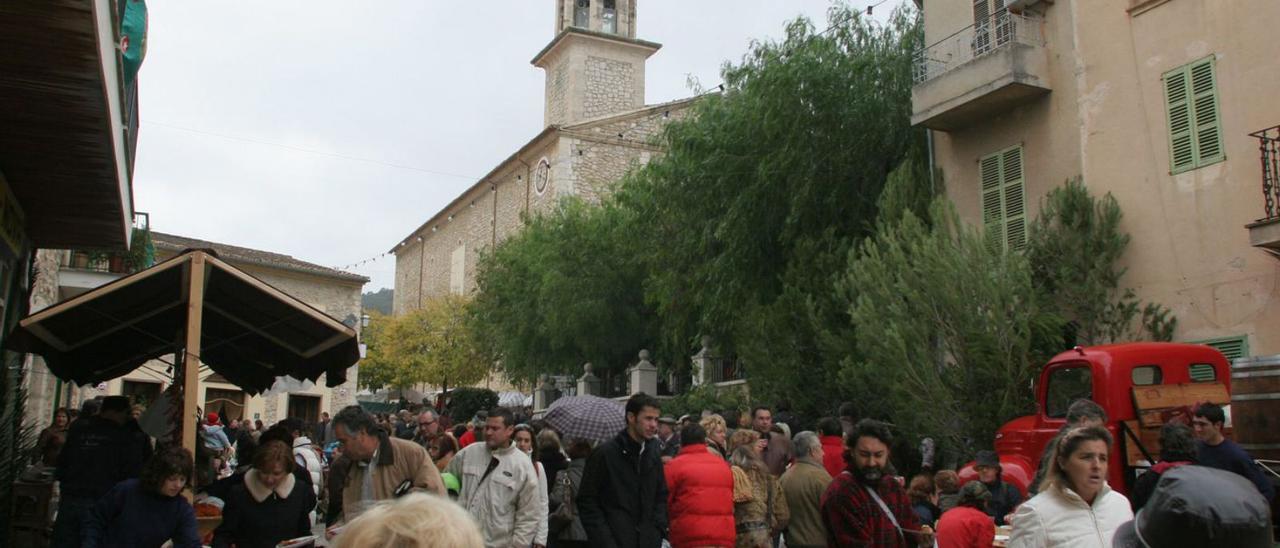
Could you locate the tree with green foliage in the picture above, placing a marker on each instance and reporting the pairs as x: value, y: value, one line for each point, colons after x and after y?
x: 763, y: 190
x: 1074, y: 246
x: 943, y: 318
x: 431, y: 345
x: 566, y: 290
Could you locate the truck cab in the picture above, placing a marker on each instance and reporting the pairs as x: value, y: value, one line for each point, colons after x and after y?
x: 1107, y: 375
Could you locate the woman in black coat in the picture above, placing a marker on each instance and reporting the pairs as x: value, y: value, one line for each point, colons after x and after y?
x: 269, y: 506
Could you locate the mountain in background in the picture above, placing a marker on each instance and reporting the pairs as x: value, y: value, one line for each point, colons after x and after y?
x: 380, y: 300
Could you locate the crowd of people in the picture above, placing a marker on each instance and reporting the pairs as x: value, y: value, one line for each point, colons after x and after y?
x: 495, y: 479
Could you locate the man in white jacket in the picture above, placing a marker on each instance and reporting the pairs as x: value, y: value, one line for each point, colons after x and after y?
x: 500, y: 486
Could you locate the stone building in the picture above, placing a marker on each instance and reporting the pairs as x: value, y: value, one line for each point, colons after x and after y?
x: 1161, y: 103
x: 64, y: 275
x: 596, y: 128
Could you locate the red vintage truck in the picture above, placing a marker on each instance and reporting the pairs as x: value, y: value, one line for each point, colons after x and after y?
x: 1139, y: 385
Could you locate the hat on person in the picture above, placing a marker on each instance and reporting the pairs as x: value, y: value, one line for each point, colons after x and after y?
x: 986, y: 458
x: 451, y: 483
x: 685, y: 417
x: 975, y: 493
x: 1198, y: 506
x: 211, y: 417
x: 667, y: 419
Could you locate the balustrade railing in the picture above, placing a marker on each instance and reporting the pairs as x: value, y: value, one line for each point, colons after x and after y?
x: 1269, y: 149
x: 988, y: 35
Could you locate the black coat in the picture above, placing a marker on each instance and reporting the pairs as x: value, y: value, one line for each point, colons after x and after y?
x: 247, y: 523
x: 98, y: 454
x: 623, y: 499
x: 1004, y: 498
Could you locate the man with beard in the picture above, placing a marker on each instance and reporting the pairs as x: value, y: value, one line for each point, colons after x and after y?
x: 864, y: 505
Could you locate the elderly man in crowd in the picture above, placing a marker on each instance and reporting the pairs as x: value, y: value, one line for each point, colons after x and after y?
x: 803, y: 485
x: 428, y: 429
x: 381, y: 467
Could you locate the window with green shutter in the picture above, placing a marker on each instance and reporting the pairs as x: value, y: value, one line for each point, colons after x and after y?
x: 1003, y: 198
x: 1231, y: 347
x: 1195, y: 124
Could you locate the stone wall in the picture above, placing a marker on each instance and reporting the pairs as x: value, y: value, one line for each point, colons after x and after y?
x: 557, y: 87
x: 40, y: 383
x: 609, y: 85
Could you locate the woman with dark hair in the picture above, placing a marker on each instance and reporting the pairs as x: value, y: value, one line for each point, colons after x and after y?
x: 442, y: 450
x: 523, y: 438
x: 269, y: 506
x: 924, y: 499
x: 148, y: 511
x: 1177, y: 448
x: 1075, y: 505
x: 968, y: 525
x: 52, y: 438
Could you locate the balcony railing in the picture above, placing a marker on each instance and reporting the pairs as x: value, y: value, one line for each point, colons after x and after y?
x: 997, y: 31
x: 140, y: 256
x: 1269, y: 146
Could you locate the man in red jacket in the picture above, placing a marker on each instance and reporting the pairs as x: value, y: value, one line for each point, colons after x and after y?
x: 699, y: 494
x: 832, y: 438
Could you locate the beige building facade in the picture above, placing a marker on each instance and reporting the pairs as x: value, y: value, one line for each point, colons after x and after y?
x: 1152, y: 101
x: 333, y: 292
x: 597, y: 128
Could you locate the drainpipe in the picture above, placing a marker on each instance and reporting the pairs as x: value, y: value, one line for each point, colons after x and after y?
x: 928, y: 138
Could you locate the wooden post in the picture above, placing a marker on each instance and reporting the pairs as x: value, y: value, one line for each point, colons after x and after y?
x: 191, y: 354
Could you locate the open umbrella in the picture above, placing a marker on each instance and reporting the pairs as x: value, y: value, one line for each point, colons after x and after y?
x: 586, y: 417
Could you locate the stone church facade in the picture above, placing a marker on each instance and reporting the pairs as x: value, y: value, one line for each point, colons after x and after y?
x: 597, y: 127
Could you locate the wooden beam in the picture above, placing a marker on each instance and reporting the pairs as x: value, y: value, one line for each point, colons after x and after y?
x: 253, y: 328
x: 191, y: 355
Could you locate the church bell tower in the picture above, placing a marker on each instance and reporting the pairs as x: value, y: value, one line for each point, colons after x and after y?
x: 595, y: 63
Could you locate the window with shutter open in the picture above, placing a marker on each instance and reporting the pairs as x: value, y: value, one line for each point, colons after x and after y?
x: 1191, y: 103
x: 1004, y: 198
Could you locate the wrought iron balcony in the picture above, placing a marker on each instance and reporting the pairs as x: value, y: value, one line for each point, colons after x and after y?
x: 991, y: 65
x: 1265, y: 232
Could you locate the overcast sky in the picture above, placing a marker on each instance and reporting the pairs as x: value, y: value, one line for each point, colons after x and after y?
x: 329, y: 130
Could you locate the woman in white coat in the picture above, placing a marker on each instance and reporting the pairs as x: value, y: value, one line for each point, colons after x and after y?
x: 1076, y: 507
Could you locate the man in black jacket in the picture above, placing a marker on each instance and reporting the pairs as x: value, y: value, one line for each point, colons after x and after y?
x: 100, y: 451
x: 623, y: 498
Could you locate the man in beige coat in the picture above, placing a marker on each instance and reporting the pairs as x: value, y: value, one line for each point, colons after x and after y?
x: 382, y: 467
x: 803, y: 485
x: 500, y: 487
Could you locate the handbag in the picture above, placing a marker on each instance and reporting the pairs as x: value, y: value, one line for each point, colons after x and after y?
x: 564, y: 514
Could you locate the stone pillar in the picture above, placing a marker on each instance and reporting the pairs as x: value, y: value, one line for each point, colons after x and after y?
x: 644, y: 376
x: 588, y: 384
x: 545, y: 393
x: 705, y: 367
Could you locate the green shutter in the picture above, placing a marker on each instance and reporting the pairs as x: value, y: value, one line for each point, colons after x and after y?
x: 1191, y: 102
x: 1004, y: 199
x: 1208, y: 128
x: 1015, y: 214
x: 1231, y: 347
x: 1203, y: 372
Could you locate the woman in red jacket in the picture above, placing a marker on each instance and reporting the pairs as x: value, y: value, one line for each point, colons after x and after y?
x: 700, y: 494
x: 968, y: 525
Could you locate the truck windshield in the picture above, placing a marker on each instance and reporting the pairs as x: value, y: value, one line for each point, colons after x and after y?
x: 1065, y: 386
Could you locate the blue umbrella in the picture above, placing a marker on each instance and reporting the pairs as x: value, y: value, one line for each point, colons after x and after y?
x: 586, y: 417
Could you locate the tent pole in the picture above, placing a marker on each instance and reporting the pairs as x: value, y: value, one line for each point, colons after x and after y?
x: 191, y: 355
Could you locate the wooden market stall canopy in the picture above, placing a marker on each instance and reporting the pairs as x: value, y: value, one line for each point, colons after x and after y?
x: 249, y: 332
x: 195, y: 304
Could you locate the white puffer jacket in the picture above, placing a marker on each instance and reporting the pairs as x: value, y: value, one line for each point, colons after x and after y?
x: 305, y: 456
x: 1058, y: 517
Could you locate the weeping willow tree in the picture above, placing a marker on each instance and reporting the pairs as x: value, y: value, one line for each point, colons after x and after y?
x: 748, y: 217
